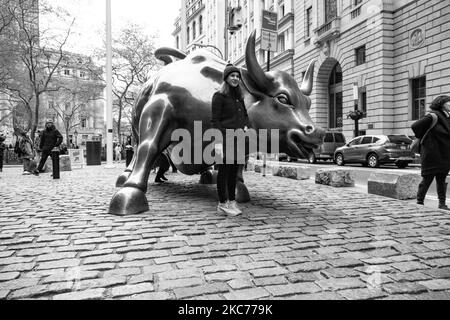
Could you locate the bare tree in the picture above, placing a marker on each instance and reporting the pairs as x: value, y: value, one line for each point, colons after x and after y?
x: 133, y: 62
x: 35, y: 55
x: 71, y: 102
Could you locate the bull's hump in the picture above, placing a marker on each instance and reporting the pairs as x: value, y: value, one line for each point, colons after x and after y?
x: 198, y: 59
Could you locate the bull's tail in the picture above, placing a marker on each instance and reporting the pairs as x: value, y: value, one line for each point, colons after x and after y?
x: 165, y: 54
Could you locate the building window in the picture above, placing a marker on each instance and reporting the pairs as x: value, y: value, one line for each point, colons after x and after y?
x: 281, y: 42
x: 83, y: 122
x: 363, y: 99
x: 360, y: 55
x: 194, y: 27
x: 330, y: 10
x: 356, y: 2
x: 188, y: 33
x: 178, y: 42
x: 419, y: 94
x: 66, y: 72
x: 200, y: 25
x: 282, y: 11
x: 308, y: 22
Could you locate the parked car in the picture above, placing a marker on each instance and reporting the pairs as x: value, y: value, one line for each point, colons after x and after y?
x: 332, y: 141
x: 373, y: 150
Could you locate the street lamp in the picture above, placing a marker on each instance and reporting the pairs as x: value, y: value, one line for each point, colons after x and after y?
x: 356, y: 114
x: 209, y: 46
x: 75, y: 133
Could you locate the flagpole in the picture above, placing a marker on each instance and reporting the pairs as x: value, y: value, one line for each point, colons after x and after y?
x: 109, y: 113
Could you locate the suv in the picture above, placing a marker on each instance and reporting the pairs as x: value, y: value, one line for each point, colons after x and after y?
x: 373, y: 150
x: 332, y: 141
x: 325, y: 151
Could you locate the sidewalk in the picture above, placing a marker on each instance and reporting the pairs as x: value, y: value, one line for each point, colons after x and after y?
x: 295, y: 240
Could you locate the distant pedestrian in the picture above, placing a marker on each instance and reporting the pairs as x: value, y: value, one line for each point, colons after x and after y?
x: 25, y: 151
x: 435, y: 149
x: 2, y: 150
x: 118, y: 151
x: 51, y: 138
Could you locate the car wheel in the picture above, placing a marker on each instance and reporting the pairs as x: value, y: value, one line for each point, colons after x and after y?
x: 372, y: 160
x: 401, y: 165
x: 312, y: 158
x: 339, y: 159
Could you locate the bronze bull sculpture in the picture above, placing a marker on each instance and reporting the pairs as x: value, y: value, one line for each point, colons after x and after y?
x: 181, y: 93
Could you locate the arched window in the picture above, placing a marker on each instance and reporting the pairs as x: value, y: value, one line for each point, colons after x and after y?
x: 188, y: 32
x: 335, y: 98
x: 194, y: 35
x: 200, y: 25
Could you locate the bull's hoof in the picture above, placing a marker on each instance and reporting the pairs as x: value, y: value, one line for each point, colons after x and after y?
x: 208, y: 177
x: 128, y: 201
x: 122, y: 179
x: 242, y: 195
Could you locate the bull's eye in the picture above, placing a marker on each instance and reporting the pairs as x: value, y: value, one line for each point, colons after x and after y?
x: 282, y: 98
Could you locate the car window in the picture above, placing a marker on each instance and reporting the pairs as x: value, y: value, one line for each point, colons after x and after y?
x: 399, y: 139
x: 366, y: 140
x: 375, y: 140
x: 328, y: 137
x: 339, y: 137
x: 354, y: 142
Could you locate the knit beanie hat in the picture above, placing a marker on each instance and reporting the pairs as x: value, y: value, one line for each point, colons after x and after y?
x: 230, y: 69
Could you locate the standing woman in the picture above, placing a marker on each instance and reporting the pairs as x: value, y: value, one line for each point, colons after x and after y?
x: 435, y: 150
x: 229, y: 112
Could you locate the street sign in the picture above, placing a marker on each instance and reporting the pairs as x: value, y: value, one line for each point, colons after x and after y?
x: 76, y: 157
x: 269, y: 40
x: 269, y: 31
x: 270, y: 21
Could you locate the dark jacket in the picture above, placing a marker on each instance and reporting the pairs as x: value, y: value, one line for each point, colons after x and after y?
x: 435, y: 149
x: 228, y: 112
x: 50, y: 139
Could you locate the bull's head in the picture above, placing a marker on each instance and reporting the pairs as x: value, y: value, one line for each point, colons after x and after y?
x: 278, y: 103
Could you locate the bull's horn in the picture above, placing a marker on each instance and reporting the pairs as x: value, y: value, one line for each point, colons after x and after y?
x: 254, y: 69
x: 307, y: 84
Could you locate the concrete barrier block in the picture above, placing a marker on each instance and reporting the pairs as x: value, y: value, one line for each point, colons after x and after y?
x: 64, y: 164
x: 335, y: 177
x: 392, y: 185
x: 298, y: 173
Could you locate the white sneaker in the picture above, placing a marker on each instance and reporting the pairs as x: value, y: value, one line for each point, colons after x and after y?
x: 222, y: 207
x: 25, y: 173
x: 233, y: 208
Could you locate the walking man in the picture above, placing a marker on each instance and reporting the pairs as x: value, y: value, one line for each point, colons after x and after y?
x: 51, y: 138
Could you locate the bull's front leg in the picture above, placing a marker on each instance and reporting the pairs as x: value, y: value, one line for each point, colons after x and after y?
x: 126, y: 174
x: 154, y: 136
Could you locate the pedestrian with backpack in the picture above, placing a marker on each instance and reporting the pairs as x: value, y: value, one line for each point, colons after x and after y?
x: 434, y: 149
x: 2, y: 150
x: 25, y: 151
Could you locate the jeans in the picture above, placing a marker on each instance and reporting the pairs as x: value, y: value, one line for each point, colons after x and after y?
x: 441, y: 186
x: 226, y: 182
x: 44, y: 156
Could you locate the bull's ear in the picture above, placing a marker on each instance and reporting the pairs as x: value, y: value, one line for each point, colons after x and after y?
x: 250, y: 85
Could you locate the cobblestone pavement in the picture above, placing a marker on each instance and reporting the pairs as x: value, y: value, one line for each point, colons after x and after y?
x: 296, y: 240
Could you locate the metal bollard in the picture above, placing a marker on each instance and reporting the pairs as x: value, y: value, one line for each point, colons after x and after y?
x: 55, y: 162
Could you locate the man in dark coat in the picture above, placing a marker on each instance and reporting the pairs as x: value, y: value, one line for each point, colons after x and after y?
x: 435, y: 150
x: 51, y: 138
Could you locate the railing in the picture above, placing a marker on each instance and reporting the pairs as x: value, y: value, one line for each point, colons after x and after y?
x: 327, y: 31
x: 324, y: 28
x: 356, y: 12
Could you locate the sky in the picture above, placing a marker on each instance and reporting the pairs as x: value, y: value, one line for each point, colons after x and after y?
x: 156, y: 16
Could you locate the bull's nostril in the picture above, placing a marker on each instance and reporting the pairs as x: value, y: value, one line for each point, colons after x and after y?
x: 309, y: 129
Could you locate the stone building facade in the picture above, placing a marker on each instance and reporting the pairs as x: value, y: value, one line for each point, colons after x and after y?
x: 389, y: 58
x: 206, y: 23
